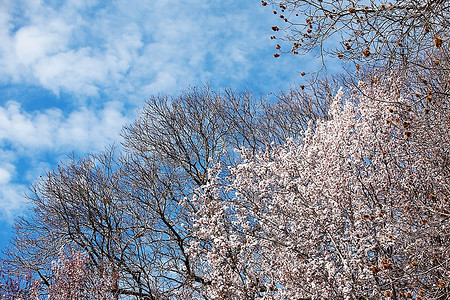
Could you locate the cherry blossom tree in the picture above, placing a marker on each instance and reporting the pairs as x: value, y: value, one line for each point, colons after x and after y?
x: 358, y: 208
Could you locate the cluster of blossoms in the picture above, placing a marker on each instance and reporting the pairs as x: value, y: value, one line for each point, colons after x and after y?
x: 71, y: 278
x: 22, y: 288
x: 74, y: 278
x: 359, y: 207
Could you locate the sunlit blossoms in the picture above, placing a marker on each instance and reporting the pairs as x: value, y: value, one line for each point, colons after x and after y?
x: 359, y: 207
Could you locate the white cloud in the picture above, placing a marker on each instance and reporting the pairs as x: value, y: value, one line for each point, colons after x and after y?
x: 50, y: 130
x: 91, y: 130
x: 5, y: 176
x: 133, y: 48
x: 11, y: 200
x: 51, y: 51
x: 35, y: 42
x: 11, y: 194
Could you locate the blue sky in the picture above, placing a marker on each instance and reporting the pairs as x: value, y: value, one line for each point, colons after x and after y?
x: 72, y: 73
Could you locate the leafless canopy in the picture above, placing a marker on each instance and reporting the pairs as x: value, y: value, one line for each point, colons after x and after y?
x: 389, y: 33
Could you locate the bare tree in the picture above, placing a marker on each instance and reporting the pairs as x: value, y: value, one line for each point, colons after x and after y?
x: 388, y: 33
